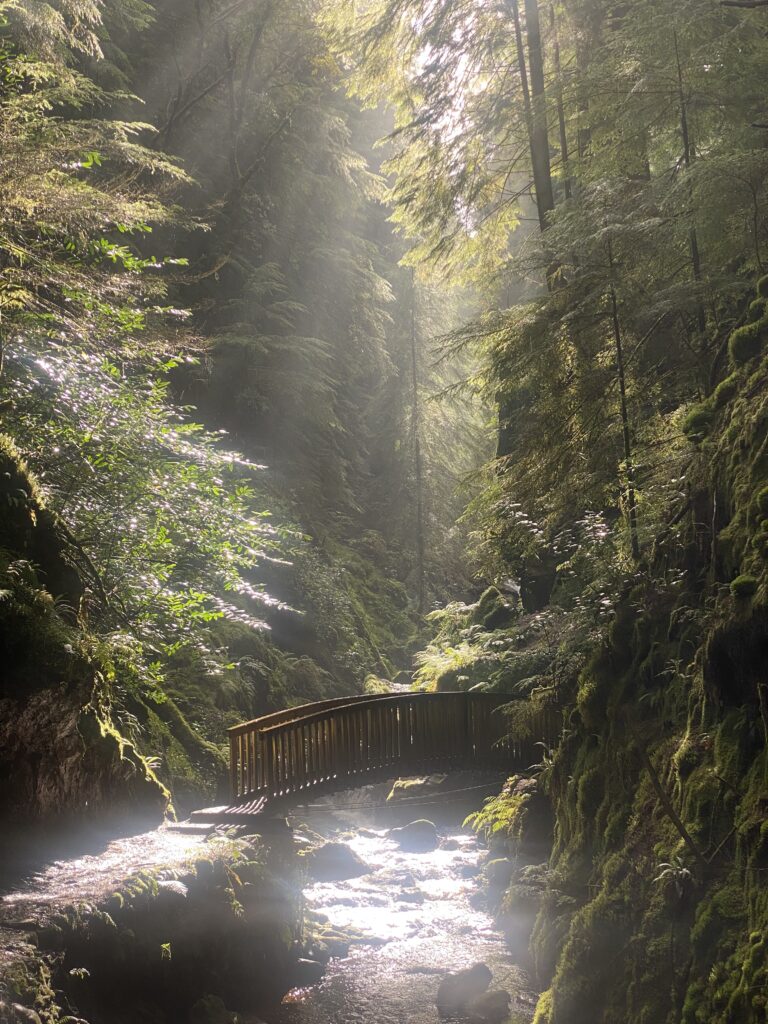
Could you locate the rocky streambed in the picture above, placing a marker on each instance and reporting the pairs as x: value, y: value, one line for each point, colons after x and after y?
x: 167, y: 929
x: 419, y: 911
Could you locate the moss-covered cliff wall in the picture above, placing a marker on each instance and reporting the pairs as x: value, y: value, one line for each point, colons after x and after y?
x: 655, y: 903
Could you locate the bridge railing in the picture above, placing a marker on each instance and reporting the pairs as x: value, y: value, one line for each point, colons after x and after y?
x: 322, y: 745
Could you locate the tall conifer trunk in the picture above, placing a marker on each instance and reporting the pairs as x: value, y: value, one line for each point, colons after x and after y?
x: 418, y: 467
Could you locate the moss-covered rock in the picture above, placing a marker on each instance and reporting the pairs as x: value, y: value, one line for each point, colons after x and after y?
x: 494, y: 610
x: 747, y: 342
x: 698, y: 421
x: 744, y: 586
x: 725, y: 391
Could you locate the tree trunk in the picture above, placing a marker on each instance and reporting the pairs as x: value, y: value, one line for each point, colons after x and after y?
x: 542, y: 171
x: 688, y: 157
x: 626, y: 433
x: 417, y: 457
x: 560, y: 103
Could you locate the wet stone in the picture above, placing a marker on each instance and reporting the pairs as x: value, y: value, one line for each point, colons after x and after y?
x: 335, y: 862
x: 491, y: 1007
x: 418, y: 836
x: 459, y: 989
x: 410, y: 896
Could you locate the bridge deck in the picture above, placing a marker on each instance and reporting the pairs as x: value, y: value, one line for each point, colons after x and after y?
x: 301, y: 752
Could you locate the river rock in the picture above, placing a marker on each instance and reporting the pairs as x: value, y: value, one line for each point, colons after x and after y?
x: 457, y: 990
x: 417, y: 837
x: 450, y: 844
x: 334, y: 862
x: 491, y: 1007
x: 498, y: 873
x: 410, y: 896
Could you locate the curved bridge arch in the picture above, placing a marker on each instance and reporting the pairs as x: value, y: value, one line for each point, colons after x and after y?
x: 338, y: 744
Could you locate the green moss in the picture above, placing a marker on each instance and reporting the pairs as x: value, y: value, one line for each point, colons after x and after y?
x: 756, y: 310
x: 725, y: 391
x: 493, y: 610
x: 686, y: 757
x: 762, y: 502
x: 698, y: 421
x: 373, y: 684
x: 743, y: 586
x: 543, y: 1014
x: 762, y: 287
x: 746, y: 342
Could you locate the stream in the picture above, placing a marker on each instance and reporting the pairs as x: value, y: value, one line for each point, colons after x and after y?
x: 418, y: 915
x: 393, y: 978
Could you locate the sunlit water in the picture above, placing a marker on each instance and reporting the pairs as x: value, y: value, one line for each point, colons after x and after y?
x: 93, y: 875
x: 394, y: 979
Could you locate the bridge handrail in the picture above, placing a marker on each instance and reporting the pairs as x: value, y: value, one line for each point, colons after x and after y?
x: 325, y: 743
x: 298, y: 711
x: 382, y: 699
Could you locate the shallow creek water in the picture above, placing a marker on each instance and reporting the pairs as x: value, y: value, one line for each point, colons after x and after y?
x: 394, y: 978
x: 391, y: 977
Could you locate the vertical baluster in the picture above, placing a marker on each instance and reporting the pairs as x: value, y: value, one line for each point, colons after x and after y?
x: 291, y: 743
x: 376, y: 739
x: 233, y: 767
x: 299, y: 769
x: 260, y: 779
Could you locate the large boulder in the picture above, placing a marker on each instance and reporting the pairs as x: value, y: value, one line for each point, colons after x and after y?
x: 418, y: 836
x: 457, y: 990
x: 335, y: 862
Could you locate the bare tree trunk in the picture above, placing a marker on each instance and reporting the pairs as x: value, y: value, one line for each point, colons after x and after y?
x: 542, y: 171
x: 688, y: 157
x: 534, y: 104
x: 417, y: 455
x: 560, y: 103
x: 626, y: 433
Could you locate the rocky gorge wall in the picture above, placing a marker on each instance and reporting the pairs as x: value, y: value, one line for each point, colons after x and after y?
x: 653, y: 907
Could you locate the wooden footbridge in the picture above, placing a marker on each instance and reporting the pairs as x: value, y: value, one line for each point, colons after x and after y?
x: 295, y: 755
